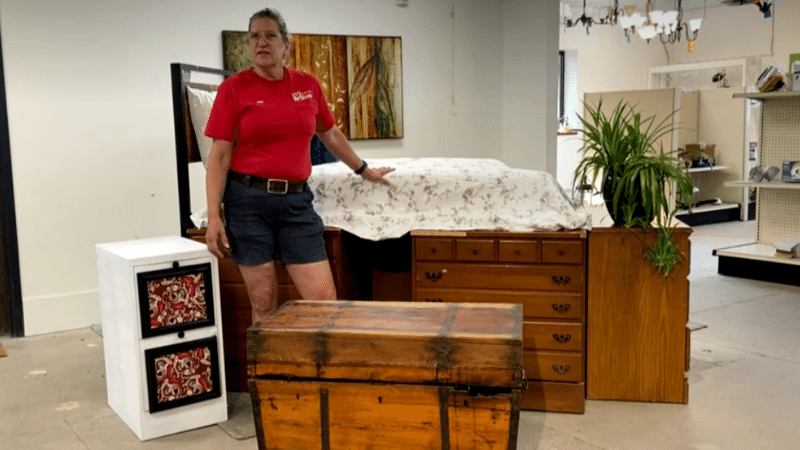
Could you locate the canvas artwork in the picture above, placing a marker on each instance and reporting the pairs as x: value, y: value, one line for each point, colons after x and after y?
x: 361, y: 77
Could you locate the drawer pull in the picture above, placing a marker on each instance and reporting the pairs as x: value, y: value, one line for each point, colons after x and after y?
x: 561, y: 307
x: 433, y: 276
x: 561, y: 338
x: 560, y: 280
x: 433, y: 250
x: 437, y: 300
x: 517, y: 252
x: 474, y: 252
x: 561, y: 369
x: 561, y: 253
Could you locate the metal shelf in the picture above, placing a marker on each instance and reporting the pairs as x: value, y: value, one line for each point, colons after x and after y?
x: 763, y: 185
x: 707, y: 169
x: 757, y: 252
x: 768, y: 95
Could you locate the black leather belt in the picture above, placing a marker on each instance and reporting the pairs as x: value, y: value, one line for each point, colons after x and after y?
x: 271, y: 185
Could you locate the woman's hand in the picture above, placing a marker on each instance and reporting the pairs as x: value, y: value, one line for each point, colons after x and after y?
x: 376, y: 175
x: 217, y: 238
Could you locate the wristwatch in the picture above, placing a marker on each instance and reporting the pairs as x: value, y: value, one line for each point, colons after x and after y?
x: 362, y: 168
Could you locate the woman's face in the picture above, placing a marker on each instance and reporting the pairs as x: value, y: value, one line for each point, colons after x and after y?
x: 266, y: 44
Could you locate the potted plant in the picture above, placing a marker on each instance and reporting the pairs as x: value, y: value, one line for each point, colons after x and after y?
x: 623, y: 150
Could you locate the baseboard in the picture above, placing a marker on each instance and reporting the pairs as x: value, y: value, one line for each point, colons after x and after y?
x: 70, y: 311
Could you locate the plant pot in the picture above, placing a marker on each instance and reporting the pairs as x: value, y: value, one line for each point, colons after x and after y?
x: 609, y: 186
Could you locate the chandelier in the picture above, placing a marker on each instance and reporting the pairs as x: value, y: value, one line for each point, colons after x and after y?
x: 667, y: 25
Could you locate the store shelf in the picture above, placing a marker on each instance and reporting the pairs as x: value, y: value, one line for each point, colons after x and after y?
x: 707, y: 169
x: 763, y: 184
x: 708, y: 208
x: 756, y: 252
x: 768, y: 95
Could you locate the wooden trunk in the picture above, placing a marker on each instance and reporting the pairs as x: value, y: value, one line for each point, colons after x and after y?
x: 367, y: 375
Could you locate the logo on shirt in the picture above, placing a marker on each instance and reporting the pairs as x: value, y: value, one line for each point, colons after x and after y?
x: 300, y: 96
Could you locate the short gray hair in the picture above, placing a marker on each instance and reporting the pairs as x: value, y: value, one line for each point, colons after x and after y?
x: 268, y: 13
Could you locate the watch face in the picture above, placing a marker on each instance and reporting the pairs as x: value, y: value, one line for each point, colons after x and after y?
x: 175, y: 299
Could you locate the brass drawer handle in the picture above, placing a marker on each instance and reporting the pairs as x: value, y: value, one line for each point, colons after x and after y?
x: 561, y: 338
x: 474, y: 252
x: 561, y: 369
x: 437, y: 300
x: 433, y: 276
x: 561, y: 307
x: 433, y: 250
x: 560, y: 280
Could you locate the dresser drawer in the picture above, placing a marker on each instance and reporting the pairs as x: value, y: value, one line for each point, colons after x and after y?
x: 516, y: 251
x: 475, y: 250
x: 433, y: 249
x: 562, y: 252
x: 499, y: 276
x: 553, y: 366
x: 540, y: 335
x: 560, y: 305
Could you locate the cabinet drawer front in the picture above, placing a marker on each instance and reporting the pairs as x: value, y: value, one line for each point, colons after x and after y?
x: 434, y: 249
x: 552, y: 366
x: 518, y: 251
x: 561, y: 305
x: 539, y: 335
x: 475, y: 249
x: 562, y: 252
x: 498, y: 276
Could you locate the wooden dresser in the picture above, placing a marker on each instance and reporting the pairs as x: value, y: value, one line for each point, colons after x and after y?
x: 545, y: 272
x: 351, y: 279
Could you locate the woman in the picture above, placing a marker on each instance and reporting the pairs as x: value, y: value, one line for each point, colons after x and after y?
x: 273, y: 112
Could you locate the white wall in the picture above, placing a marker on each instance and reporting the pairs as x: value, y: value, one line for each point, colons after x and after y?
x: 90, y: 112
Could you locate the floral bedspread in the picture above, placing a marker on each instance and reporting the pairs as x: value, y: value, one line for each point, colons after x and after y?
x: 442, y: 194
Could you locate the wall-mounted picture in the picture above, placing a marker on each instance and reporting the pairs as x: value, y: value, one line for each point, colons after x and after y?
x: 182, y: 374
x: 175, y: 299
x: 361, y: 76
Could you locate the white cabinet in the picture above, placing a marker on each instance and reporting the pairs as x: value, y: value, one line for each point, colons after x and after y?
x: 778, y: 203
x: 162, y: 334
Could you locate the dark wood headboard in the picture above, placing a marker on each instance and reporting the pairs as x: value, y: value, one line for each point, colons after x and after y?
x: 186, y: 149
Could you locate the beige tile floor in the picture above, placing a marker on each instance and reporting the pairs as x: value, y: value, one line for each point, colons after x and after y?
x: 744, y: 389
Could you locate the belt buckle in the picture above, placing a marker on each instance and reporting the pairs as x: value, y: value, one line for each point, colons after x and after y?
x: 271, y: 189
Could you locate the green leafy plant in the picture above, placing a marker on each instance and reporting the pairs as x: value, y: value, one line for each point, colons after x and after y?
x: 624, y: 151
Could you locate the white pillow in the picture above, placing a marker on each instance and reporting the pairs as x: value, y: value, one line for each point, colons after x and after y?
x: 200, y: 102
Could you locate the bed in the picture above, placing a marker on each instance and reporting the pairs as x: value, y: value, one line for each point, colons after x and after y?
x: 369, y: 226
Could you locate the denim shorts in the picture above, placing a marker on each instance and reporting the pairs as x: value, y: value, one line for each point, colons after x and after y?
x: 263, y: 226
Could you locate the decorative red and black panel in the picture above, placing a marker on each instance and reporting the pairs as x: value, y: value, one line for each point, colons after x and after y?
x: 182, y: 374
x: 175, y: 299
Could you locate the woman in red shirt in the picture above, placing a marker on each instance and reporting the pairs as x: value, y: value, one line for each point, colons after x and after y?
x: 272, y: 112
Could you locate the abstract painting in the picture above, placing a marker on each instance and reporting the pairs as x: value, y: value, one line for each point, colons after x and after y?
x: 361, y: 77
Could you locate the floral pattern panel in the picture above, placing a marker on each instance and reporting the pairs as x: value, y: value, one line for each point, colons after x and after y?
x: 175, y: 299
x: 442, y: 194
x: 182, y: 374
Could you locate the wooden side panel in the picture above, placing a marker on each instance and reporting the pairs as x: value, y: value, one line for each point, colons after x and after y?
x: 483, y: 422
x: 360, y: 416
x: 287, y: 415
x: 366, y: 416
x: 636, y: 330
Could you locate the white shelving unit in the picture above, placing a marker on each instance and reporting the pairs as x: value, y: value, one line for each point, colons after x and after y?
x: 778, y: 203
